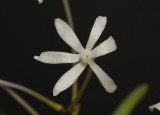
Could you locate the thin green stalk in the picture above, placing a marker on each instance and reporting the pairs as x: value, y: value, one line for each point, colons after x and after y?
x: 75, y: 95
x: 52, y: 104
x: 84, y: 85
x: 74, y: 91
x: 68, y: 13
x: 70, y: 22
x: 21, y: 101
x: 81, y: 90
x: 76, y: 110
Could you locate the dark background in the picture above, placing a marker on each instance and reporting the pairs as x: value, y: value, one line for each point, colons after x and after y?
x: 27, y: 29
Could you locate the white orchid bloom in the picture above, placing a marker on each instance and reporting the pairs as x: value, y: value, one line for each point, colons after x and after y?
x: 84, y: 57
x: 155, y: 106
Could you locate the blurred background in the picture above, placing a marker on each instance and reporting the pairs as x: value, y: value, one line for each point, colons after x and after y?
x: 27, y: 29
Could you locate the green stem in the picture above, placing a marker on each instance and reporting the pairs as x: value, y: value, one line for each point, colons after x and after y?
x: 21, y: 101
x: 81, y: 90
x: 84, y: 85
x: 75, y: 95
x: 29, y: 91
x: 68, y: 13
x: 70, y: 22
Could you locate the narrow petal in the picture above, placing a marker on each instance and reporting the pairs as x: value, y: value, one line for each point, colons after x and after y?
x: 67, y: 34
x: 104, y: 48
x: 68, y: 78
x: 51, y: 57
x: 105, y: 80
x: 96, y: 31
x: 155, y: 106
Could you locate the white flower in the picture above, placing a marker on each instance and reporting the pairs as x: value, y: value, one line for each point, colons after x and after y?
x: 155, y: 106
x: 84, y: 57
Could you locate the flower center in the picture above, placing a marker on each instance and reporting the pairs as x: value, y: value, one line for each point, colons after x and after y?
x: 86, y: 56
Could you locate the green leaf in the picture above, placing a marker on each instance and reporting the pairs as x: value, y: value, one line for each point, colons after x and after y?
x: 131, y: 101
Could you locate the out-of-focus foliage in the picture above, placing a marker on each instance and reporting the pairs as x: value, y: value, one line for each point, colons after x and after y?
x: 2, y: 111
x: 131, y: 101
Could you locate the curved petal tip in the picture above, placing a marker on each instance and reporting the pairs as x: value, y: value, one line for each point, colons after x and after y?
x: 102, y: 18
x: 55, y: 92
x: 36, y: 57
x: 112, y: 88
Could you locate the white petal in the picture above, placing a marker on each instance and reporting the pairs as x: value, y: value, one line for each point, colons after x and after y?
x: 40, y: 1
x: 96, y: 31
x: 68, y: 78
x: 57, y: 57
x: 155, y: 106
x: 105, y: 80
x: 104, y: 48
x: 67, y: 34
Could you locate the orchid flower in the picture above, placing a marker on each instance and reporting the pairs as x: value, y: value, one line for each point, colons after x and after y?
x: 155, y: 106
x: 84, y: 56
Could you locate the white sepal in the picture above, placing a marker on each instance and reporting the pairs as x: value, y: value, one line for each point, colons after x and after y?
x: 68, y: 78
x: 105, y: 80
x: 104, y: 48
x: 53, y: 57
x: 96, y: 31
x: 67, y: 34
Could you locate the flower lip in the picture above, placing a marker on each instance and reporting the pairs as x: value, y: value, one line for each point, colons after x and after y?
x: 86, y: 56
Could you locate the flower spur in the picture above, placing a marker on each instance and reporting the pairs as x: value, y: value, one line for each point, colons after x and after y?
x: 84, y: 57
